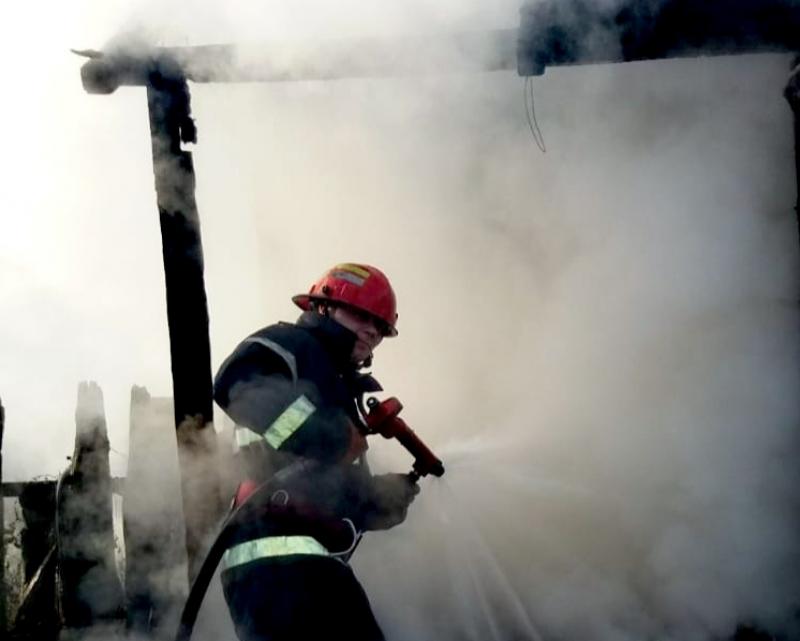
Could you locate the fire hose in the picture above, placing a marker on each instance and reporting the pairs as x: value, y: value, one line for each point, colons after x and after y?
x: 382, y: 419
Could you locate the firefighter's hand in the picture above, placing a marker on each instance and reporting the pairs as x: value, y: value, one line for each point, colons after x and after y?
x: 391, y: 496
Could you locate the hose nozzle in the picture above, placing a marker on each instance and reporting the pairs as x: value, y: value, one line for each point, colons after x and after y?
x: 383, y: 419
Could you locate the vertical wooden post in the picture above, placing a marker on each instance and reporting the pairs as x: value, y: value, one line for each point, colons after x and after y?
x: 3, y: 602
x: 187, y: 314
x: 90, y: 588
x: 37, y: 614
x: 792, y: 95
x: 38, y: 504
x: 155, y: 543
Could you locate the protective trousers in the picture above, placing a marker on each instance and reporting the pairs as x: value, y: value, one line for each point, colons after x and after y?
x: 298, y: 598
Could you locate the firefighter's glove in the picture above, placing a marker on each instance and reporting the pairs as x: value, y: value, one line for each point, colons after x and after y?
x: 391, y: 495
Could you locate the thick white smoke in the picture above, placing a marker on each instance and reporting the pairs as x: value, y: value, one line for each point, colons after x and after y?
x: 601, y: 342
x: 623, y: 343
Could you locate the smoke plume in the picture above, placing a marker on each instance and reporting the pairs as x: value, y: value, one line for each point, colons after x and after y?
x: 601, y: 342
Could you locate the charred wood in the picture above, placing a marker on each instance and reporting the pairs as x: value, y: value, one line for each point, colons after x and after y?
x: 171, y: 125
x: 90, y: 588
x: 3, y: 599
x: 155, y: 552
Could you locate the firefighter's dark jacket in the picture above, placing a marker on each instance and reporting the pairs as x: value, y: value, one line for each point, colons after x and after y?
x: 256, y: 385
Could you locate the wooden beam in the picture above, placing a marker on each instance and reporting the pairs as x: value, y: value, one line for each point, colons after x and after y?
x: 471, y: 52
x: 90, y: 588
x: 576, y: 32
x: 792, y: 95
x: 15, y: 488
x: 3, y: 601
x: 171, y: 125
x: 155, y: 546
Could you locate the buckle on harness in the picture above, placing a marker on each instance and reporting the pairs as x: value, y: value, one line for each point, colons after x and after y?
x: 356, y: 538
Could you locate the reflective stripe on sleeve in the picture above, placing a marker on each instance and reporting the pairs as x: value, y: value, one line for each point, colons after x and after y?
x: 271, y: 546
x: 281, y: 351
x: 244, y: 436
x: 289, y: 422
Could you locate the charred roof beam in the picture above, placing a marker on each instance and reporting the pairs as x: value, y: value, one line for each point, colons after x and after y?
x: 572, y: 32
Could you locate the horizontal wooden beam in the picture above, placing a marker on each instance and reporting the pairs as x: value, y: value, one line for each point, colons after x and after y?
x: 14, y: 489
x: 297, y: 61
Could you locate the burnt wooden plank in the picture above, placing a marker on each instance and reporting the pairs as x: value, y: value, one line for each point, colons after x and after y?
x: 155, y: 552
x: 171, y: 125
x: 574, y: 32
x: 90, y: 588
x: 3, y: 599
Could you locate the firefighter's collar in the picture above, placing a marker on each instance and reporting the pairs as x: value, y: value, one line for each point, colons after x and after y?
x: 336, y: 338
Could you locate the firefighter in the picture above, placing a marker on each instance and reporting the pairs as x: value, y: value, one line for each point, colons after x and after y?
x: 295, y: 393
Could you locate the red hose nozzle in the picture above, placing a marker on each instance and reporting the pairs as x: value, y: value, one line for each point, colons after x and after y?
x: 383, y: 419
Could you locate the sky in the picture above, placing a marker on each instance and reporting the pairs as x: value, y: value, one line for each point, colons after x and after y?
x: 600, y: 341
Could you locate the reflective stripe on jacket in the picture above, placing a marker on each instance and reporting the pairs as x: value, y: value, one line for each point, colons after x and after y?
x: 294, y: 386
x: 271, y: 546
x: 281, y: 428
x: 292, y: 392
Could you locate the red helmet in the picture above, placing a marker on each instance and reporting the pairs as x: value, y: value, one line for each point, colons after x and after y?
x: 361, y: 287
